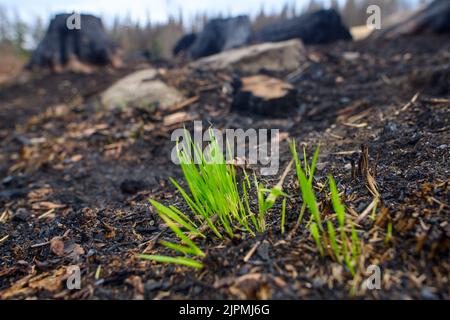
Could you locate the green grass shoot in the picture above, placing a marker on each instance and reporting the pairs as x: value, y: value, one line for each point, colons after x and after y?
x: 333, y: 241
x: 220, y: 205
x: 337, y: 205
x: 175, y: 260
x: 344, y: 249
x: 388, y: 237
x: 306, y: 187
x: 215, y: 201
x: 316, y: 236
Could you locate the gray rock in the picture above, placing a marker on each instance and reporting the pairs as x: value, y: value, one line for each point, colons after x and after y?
x: 285, y: 56
x: 141, y: 89
x: 428, y: 294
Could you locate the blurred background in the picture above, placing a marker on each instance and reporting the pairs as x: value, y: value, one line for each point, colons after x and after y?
x: 155, y: 26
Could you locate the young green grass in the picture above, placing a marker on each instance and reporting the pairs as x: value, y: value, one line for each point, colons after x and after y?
x: 213, y: 188
x: 342, y: 253
x: 388, y: 237
x: 173, y: 219
x: 315, y: 232
x: 306, y: 184
x: 333, y: 241
x: 215, y: 202
x: 221, y: 206
x: 344, y: 249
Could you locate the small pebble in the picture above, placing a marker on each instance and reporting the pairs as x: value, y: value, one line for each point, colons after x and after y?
x: 21, y: 215
x: 427, y: 294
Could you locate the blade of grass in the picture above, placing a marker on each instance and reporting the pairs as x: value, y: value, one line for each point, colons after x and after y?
x: 182, y: 236
x: 337, y: 205
x: 175, y: 216
x: 316, y: 236
x: 313, y: 164
x: 333, y: 242
x: 177, y: 260
x: 388, y: 233
x: 306, y: 188
x: 355, y: 242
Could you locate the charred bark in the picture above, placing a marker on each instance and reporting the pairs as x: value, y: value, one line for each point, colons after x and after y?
x: 435, y: 18
x: 320, y: 27
x: 218, y: 35
x: 87, y: 45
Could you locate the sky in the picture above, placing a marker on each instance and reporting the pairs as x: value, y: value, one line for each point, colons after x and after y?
x: 139, y: 10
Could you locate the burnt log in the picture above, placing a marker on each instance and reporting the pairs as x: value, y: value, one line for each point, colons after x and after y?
x: 65, y: 47
x: 320, y: 27
x: 435, y: 18
x: 221, y: 34
x: 266, y: 96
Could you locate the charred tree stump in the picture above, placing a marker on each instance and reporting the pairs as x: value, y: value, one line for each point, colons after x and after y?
x: 218, y: 35
x: 184, y: 43
x: 63, y: 47
x: 265, y: 96
x: 435, y: 18
x: 320, y: 27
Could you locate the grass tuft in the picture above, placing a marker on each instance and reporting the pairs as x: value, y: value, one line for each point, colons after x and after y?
x: 341, y: 247
x: 215, y: 200
x: 220, y: 205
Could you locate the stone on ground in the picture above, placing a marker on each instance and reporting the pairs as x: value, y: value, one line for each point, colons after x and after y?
x: 142, y: 90
x: 284, y: 56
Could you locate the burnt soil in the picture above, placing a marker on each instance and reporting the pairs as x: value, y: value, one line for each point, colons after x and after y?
x: 75, y: 179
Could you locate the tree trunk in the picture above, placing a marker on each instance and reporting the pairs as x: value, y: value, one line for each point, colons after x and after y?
x: 64, y: 47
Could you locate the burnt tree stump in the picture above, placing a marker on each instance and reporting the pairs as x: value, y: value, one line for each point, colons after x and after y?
x: 63, y: 47
x: 435, y: 18
x: 320, y: 27
x: 218, y: 35
x: 264, y: 95
x: 184, y: 43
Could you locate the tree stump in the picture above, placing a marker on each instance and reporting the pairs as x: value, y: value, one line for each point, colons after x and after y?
x: 218, y: 35
x: 75, y: 48
x: 320, y: 27
x: 184, y: 43
x: 265, y: 96
x: 435, y: 18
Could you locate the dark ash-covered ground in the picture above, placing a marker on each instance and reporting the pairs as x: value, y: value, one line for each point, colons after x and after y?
x: 75, y: 179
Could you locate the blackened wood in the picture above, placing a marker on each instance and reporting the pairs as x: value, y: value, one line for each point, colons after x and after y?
x: 90, y: 44
x: 320, y: 27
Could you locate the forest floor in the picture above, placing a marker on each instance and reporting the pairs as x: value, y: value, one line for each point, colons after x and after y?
x: 75, y: 179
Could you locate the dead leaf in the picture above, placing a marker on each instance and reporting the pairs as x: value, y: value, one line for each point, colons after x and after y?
x: 38, y: 194
x: 183, y: 104
x: 251, y: 286
x: 177, y: 117
x: 138, y: 286
x: 57, y: 246
x: 76, y: 158
x: 18, y: 287
x: 51, y: 283
x: 47, y: 205
x: 74, y: 251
